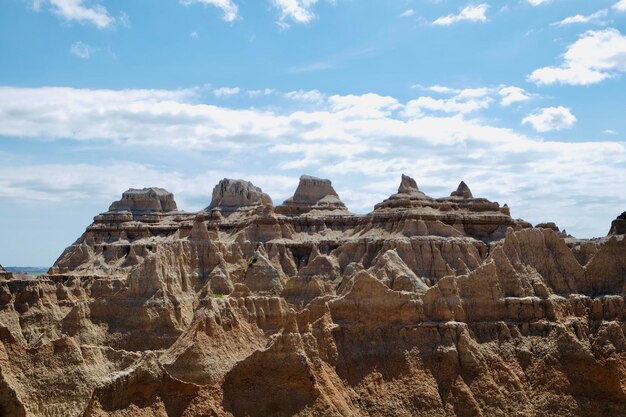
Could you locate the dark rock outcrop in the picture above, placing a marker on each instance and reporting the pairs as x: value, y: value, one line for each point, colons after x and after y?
x: 618, y: 226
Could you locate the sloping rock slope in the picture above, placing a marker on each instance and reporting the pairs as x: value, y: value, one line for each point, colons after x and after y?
x: 424, y: 307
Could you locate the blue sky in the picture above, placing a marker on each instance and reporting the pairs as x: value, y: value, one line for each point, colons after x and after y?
x: 524, y: 100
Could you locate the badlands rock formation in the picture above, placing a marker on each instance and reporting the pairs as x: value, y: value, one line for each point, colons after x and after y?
x: 145, y: 200
x: 313, y: 195
x: 4, y: 274
x: 423, y: 307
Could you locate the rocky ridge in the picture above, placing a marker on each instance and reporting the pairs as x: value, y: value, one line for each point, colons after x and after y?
x: 423, y: 307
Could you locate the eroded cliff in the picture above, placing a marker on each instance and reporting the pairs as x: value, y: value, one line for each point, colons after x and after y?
x: 423, y: 307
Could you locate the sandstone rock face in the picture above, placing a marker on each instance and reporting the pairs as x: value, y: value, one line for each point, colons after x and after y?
x: 231, y: 195
x: 618, y: 226
x: 314, y: 196
x: 424, y: 307
x: 151, y: 199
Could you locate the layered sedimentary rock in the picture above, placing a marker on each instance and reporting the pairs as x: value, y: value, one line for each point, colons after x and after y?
x: 145, y: 200
x: 232, y: 195
x: 424, y: 307
x: 315, y: 196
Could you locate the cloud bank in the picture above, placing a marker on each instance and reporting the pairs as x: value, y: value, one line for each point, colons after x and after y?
x: 362, y: 142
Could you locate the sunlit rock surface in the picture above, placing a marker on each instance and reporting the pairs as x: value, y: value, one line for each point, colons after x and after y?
x: 424, y: 307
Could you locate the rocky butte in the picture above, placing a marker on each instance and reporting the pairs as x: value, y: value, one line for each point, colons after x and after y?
x: 423, y: 307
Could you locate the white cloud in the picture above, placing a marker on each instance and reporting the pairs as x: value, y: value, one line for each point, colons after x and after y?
x: 512, y: 95
x: 551, y: 118
x: 469, y: 13
x: 463, y: 101
x: 460, y: 92
x: 441, y: 89
x: 313, y: 96
x: 371, y: 106
x: 77, y: 10
x: 260, y: 92
x: 356, y: 140
x: 81, y: 50
x: 229, y: 8
x: 579, y: 18
x: 620, y: 6
x: 194, y: 34
x: 298, y: 11
x: 594, y: 57
x: 408, y: 13
x: 226, y: 91
x: 538, y: 2
x: 610, y: 132
x: 421, y: 105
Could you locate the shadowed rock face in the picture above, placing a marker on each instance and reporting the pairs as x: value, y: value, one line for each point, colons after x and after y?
x: 423, y: 307
x: 151, y: 199
x: 315, y: 195
x: 4, y: 274
x: 231, y: 195
x: 618, y: 226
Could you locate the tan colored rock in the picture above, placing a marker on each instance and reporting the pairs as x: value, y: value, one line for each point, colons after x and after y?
x: 151, y: 199
x: 230, y: 195
x: 261, y: 276
x: 313, y: 195
x: 424, y: 307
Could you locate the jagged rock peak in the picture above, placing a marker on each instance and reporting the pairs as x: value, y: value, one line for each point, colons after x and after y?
x: 618, y: 226
x: 312, y: 194
x: 229, y: 195
x: 462, y: 191
x: 407, y: 185
x: 152, y: 199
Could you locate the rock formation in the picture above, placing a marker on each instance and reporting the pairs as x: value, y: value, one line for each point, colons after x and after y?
x: 423, y: 307
x: 232, y: 195
x: 4, y: 274
x: 618, y: 226
x: 314, y: 195
x: 151, y: 199
x: 462, y: 191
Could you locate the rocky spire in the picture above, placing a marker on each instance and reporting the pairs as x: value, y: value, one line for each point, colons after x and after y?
x: 229, y: 195
x: 407, y: 185
x: 152, y: 199
x: 462, y: 191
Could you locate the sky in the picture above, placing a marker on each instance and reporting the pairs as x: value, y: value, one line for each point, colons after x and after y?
x: 524, y: 100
